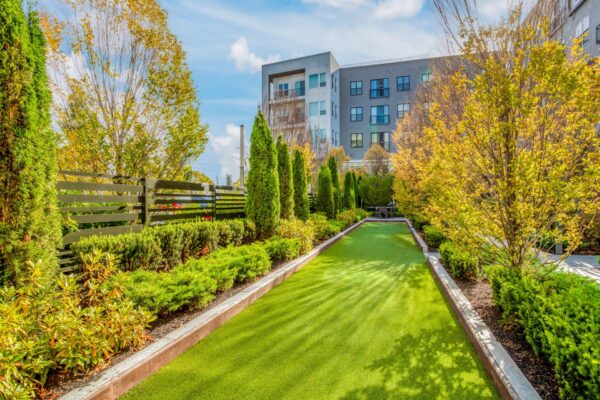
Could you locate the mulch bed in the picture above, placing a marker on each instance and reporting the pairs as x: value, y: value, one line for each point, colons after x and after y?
x: 539, y: 372
x: 59, y: 384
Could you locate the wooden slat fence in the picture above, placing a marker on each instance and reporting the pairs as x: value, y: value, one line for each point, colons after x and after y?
x: 102, y: 204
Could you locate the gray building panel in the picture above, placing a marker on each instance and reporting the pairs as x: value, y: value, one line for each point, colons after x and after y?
x: 365, y: 73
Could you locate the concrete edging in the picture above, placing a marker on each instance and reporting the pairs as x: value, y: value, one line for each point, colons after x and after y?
x: 507, y: 376
x: 123, y: 376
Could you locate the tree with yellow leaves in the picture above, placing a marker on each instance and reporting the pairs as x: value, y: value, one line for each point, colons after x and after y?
x: 124, y: 98
x: 519, y: 158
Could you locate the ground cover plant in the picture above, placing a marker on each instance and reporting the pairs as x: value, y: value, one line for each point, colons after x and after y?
x: 364, y: 320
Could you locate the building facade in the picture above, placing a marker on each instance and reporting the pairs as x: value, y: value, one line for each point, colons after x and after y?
x: 573, y: 19
x: 354, y: 106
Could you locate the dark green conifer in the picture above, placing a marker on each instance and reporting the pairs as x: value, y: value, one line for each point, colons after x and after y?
x: 301, y: 203
x: 325, y: 193
x: 286, y: 185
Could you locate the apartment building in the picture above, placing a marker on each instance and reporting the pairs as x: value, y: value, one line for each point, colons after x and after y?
x: 572, y: 19
x: 352, y: 106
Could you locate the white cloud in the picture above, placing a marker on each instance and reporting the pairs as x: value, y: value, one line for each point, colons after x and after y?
x: 347, y: 4
x: 245, y: 60
x: 388, y: 9
x: 227, y: 150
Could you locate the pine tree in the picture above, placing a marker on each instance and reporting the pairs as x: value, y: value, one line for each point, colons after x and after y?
x: 325, y: 193
x: 301, y: 204
x: 262, y: 204
x: 29, y: 221
x: 335, y: 181
x: 286, y: 184
x: 349, y: 201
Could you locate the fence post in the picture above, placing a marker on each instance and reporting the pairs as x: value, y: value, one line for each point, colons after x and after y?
x: 145, y: 216
x: 214, y: 204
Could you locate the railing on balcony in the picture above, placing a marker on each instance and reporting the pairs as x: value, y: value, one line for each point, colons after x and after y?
x: 380, y: 92
x: 288, y: 93
x: 380, y: 119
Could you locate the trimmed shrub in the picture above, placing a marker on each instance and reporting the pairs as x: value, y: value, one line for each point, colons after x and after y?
x: 558, y: 312
x: 249, y: 231
x: 280, y: 249
x: 70, y: 330
x: 131, y: 250
x: 166, y: 246
x: 458, y: 262
x: 324, y: 228
x: 262, y: 202
x: 195, y: 283
x: 350, y: 217
x: 301, y: 203
x: 325, y: 199
x: 231, y: 232
x: 349, y: 200
x: 284, y: 172
x: 433, y: 236
x: 419, y: 222
x: 297, y: 229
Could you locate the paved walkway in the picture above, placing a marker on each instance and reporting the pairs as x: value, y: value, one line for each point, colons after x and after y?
x: 582, y: 265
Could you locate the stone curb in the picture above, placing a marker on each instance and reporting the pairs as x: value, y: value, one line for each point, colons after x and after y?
x: 123, y: 376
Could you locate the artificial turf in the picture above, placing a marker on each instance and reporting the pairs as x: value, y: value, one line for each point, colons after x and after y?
x: 364, y: 320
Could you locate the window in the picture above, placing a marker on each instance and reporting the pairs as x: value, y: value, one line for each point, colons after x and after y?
x: 313, y: 81
x: 322, y: 108
x: 403, y: 83
x: 426, y: 107
x: 583, y: 28
x: 403, y: 109
x: 299, y: 88
x: 356, y: 140
x: 323, y: 79
x: 381, y: 138
x: 426, y: 77
x: 356, y: 88
x: 380, y: 88
x: 313, y: 109
x: 356, y: 114
x: 319, y: 135
x: 598, y: 34
x: 380, y: 115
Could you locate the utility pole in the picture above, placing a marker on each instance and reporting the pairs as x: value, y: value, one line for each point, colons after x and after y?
x: 242, y: 160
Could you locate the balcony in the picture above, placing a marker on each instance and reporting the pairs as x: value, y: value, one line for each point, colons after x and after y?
x: 288, y: 94
x: 381, y: 92
x: 380, y: 119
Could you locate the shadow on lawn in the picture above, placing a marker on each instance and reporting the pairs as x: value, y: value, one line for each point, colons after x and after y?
x: 432, y: 365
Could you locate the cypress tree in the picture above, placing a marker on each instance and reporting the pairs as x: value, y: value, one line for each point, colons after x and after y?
x: 356, y: 191
x: 335, y: 181
x: 262, y: 203
x: 349, y: 201
x: 286, y: 185
x: 325, y: 193
x: 301, y: 204
x: 29, y: 221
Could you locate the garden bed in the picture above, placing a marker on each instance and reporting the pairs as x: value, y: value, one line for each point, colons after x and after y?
x: 537, y: 371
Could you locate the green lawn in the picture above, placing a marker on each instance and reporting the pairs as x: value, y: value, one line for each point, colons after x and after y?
x: 364, y: 320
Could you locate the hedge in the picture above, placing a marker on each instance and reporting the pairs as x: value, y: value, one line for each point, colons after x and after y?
x: 281, y: 249
x: 195, y: 283
x: 559, y: 314
x: 433, y: 236
x: 166, y: 246
x: 459, y: 263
